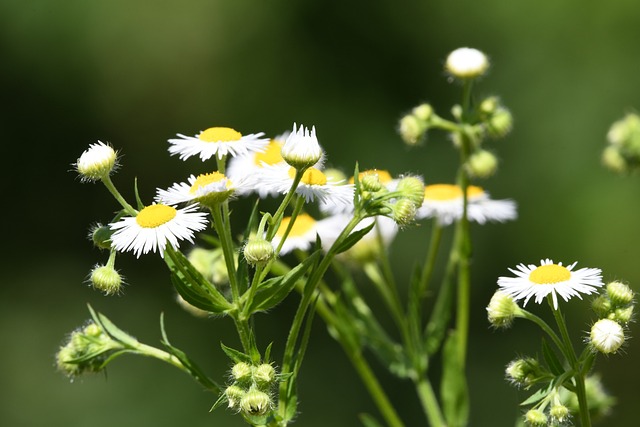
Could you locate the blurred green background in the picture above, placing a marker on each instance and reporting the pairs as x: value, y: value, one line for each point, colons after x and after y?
x: 135, y: 73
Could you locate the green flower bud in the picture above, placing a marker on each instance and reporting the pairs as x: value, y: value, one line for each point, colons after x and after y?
x: 489, y: 105
x: 524, y: 372
x: 482, y: 164
x: 500, y: 123
x: 241, y: 372
x: 264, y: 375
x: 559, y: 413
x: 234, y: 396
x: 423, y: 112
x: 614, y: 160
x: 601, y: 306
x: 106, y: 279
x: 371, y: 182
x: 535, y: 418
x: 411, y: 129
x: 404, y: 211
x: 501, y: 310
x: 412, y: 188
x: 255, y: 402
x: 622, y: 315
x: 100, y: 235
x: 619, y: 293
x: 258, y: 251
x: 607, y: 336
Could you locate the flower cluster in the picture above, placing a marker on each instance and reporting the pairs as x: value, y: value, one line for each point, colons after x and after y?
x: 86, y: 350
x: 251, y: 388
x: 622, y: 154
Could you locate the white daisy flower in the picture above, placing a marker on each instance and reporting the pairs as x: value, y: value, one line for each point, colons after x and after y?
x: 467, y: 63
x: 154, y: 226
x: 250, y: 167
x: 218, y: 141
x: 206, y: 189
x: 301, y: 149
x: 314, y: 185
x: 550, y: 278
x: 301, y: 236
x: 445, y: 203
x: 96, y: 162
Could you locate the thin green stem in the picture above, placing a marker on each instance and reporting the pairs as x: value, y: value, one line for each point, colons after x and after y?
x: 277, y: 217
x: 546, y: 328
x: 585, y: 418
x: 106, y: 180
x: 430, y: 260
x: 224, y: 233
x: 429, y: 402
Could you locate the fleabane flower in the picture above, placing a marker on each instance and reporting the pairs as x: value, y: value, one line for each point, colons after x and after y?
x: 207, y: 189
x: 155, y: 226
x: 301, y: 236
x: 607, y: 336
x: 217, y: 141
x: 445, y: 203
x: 466, y: 63
x: 314, y: 186
x: 301, y: 149
x: 549, y: 278
x: 250, y: 167
x: 96, y: 162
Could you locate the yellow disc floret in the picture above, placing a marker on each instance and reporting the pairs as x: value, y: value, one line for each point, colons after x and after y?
x: 444, y: 192
x: 303, y: 223
x: 311, y: 176
x: 206, y: 179
x: 549, y: 274
x: 155, y: 215
x: 219, y: 134
x: 271, y: 154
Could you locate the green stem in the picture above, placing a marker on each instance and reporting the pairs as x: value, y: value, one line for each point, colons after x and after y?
x: 277, y: 217
x: 585, y: 418
x: 114, y: 191
x: 546, y: 328
x: 430, y: 260
x: 429, y: 403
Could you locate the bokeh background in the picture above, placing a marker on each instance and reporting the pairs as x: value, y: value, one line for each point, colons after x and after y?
x: 135, y: 73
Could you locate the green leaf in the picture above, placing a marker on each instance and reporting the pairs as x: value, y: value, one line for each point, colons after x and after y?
x: 193, y: 286
x: 235, y: 355
x: 550, y: 357
x: 273, y: 291
x: 538, y: 395
x: 453, y: 389
x: 112, y: 330
x: 368, y: 421
x: 137, y: 193
x: 354, y: 238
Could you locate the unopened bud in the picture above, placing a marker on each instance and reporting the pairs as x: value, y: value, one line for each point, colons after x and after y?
x: 524, y: 372
x: 101, y: 236
x: 255, y: 402
x: 482, y: 164
x: 423, y: 112
x: 241, y: 372
x: 601, y: 306
x: 106, y: 279
x: 404, y: 211
x: 622, y: 315
x: 535, y: 418
x: 412, y: 188
x: 619, y: 293
x: 500, y: 123
x: 97, y: 162
x: 264, y: 375
x: 559, y: 413
x: 501, y: 310
x: 607, y: 336
x: 412, y: 129
x: 258, y: 251
x: 614, y: 160
x: 234, y: 396
x: 466, y: 63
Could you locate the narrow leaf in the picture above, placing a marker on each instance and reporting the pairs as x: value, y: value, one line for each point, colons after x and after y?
x: 354, y: 238
x: 235, y: 355
x: 455, y: 399
x: 368, y: 421
x: 550, y: 357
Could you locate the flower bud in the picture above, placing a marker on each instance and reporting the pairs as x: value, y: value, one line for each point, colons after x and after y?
x: 489, y: 105
x: 601, y: 306
x: 535, y: 418
x: 255, y: 402
x: 614, y: 160
x: 482, y: 164
x: 234, y: 396
x: 371, y: 182
x: 241, y: 372
x: 622, y: 315
x: 106, y: 279
x: 100, y: 235
x: 412, y: 188
x: 412, y: 129
x: 500, y: 123
x: 559, y: 413
x: 301, y: 149
x: 619, y: 293
x: 258, y: 251
x: 423, y: 112
x: 96, y: 162
x: 524, y: 372
x: 404, y: 211
x: 501, y: 310
x: 264, y: 375
x: 607, y: 336
x: 466, y: 63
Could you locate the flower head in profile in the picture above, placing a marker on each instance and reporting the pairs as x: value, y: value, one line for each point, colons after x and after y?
x: 217, y: 141
x: 301, y: 149
x: 154, y: 226
x: 97, y: 162
x: 445, y: 203
x: 314, y: 186
x: 207, y: 189
x: 550, y: 279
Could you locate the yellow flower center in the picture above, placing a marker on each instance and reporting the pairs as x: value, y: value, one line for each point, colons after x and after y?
x: 301, y: 226
x: 206, y: 179
x: 444, y: 192
x: 311, y: 176
x: 383, y: 176
x: 219, y: 134
x: 549, y: 274
x: 271, y: 155
x: 155, y: 215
